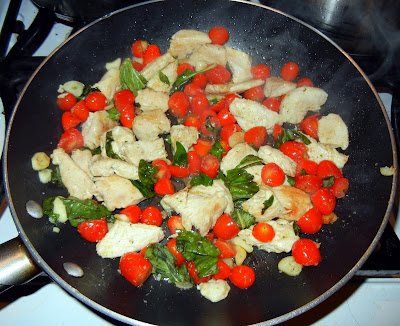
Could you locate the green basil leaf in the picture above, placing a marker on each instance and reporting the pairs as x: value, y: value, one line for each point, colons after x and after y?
x: 296, y: 228
x: 268, y: 203
x: 291, y: 180
x: 291, y: 134
x: 186, y: 77
x: 87, y: 89
x: 147, y: 179
x: 201, y: 179
x: 130, y: 78
x: 168, y: 139
x: 211, y: 127
x: 328, y: 181
x: 302, y: 137
x: 217, y: 150
x: 56, y: 177
x: 240, y: 184
x: 180, y: 156
x: 243, y: 219
x: 113, y: 114
x: 108, y: 146
x: 303, y: 172
x: 249, y: 160
x: 163, y: 77
x: 48, y: 209
x: 145, y: 191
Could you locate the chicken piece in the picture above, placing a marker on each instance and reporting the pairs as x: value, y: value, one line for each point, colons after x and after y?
x: 154, y: 67
x: 148, y: 150
x: 295, y: 201
x: 275, y: 87
x: 109, y: 83
x: 171, y: 72
x: 77, y: 182
x: 255, y: 205
x: 185, y: 41
x: 235, y: 155
x: 273, y: 155
x: 120, y: 137
x: 151, y: 100
x: 82, y: 159
x: 318, y: 152
x: 333, y: 131
x: 118, y: 192
x: 187, y: 136
x: 96, y: 124
x: 282, y: 242
x: 126, y: 237
x: 229, y: 88
x: 208, y: 54
x: 251, y: 114
x: 104, y: 167
x: 239, y: 63
x: 299, y: 101
x: 200, y: 206
x: 150, y: 124
x: 214, y: 290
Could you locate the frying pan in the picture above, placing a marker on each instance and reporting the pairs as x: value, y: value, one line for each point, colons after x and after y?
x: 269, y: 37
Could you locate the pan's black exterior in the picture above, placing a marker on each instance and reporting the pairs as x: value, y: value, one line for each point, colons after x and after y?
x: 269, y: 37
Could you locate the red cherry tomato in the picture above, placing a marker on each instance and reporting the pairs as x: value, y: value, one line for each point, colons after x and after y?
x: 224, y: 271
x: 221, y: 104
x: 135, y: 268
x: 327, y: 168
x: 276, y: 131
x: 127, y: 115
x: 192, y: 90
x: 294, y: 149
x: 218, y: 75
x: 71, y: 140
x: 192, y: 121
x: 308, y: 183
x: 200, y: 80
x: 310, y: 126
x: 179, y: 104
x: 218, y: 35
x: 178, y: 171
x: 199, y: 104
x: 171, y: 245
x: 263, y: 232
x: 133, y: 212
x: 225, y: 147
x: 324, y: 200
x: 151, y: 216
x: 139, y: 48
x: 81, y: 110
x: 194, y: 162
x: 271, y: 103
x: 94, y: 230
x: 164, y: 187
x: 163, y: 170
x: 191, y: 266
x: 226, y: 117
x: 69, y: 120
x: 203, y: 146
x: 260, y: 71
x: 137, y: 65
x: 175, y: 223
x: 311, y: 221
x: 227, y: 248
x: 181, y: 68
x: 66, y: 101
x: 255, y: 94
x: 272, y: 175
x: 123, y: 98
x: 310, y: 167
x: 256, y: 136
x: 306, y: 252
x: 209, y: 165
x: 242, y: 276
x: 305, y: 82
x: 289, y: 71
x: 225, y: 227
x: 340, y: 187
x: 227, y: 131
x: 96, y: 101
x: 152, y: 53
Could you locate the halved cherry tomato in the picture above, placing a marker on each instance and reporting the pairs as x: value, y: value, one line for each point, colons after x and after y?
x: 256, y: 136
x: 138, y: 66
x: 227, y: 248
x: 230, y: 98
x: 66, y: 101
x: 192, y: 121
x: 81, y: 110
x: 171, y: 245
x: 163, y: 170
x: 175, y: 223
x: 340, y: 187
x: 218, y: 75
x: 94, y: 230
x: 255, y: 94
x: 306, y: 252
x: 218, y: 35
x: 152, y: 53
x: 324, y: 200
x: 260, y: 71
x: 294, y: 149
x: 311, y: 221
x: 276, y: 131
x: 139, y: 48
x: 310, y: 126
x: 225, y: 147
x: 199, y: 104
x: 272, y: 103
x: 226, y: 117
x: 135, y: 268
x: 191, y: 266
x: 133, y: 212
x: 281, y: 98
x: 181, y: 68
x: 224, y: 271
x: 194, y: 162
x: 227, y: 131
x: 209, y: 123
x: 310, y: 167
x: 225, y: 227
x: 308, y: 183
x: 69, y: 120
x: 151, y: 215
x: 178, y: 171
x: 164, y: 187
x: 203, y: 146
x: 96, y: 101
x: 123, y: 98
x: 242, y: 276
x: 219, y: 105
x: 210, y: 236
x: 209, y: 165
x: 305, y: 82
x: 289, y: 71
x: 272, y: 175
x: 263, y: 232
x: 327, y: 168
x: 71, y: 140
x: 192, y: 90
x: 127, y: 115
x: 179, y: 104
x: 200, y: 80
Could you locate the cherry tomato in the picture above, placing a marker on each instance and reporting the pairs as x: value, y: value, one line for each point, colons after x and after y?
x: 203, y: 146
x: 96, y: 101
x: 139, y: 48
x: 256, y: 136
x: 226, y: 117
x: 152, y: 53
x: 209, y: 123
x: 135, y: 268
x: 242, y: 276
x: 260, y: 71
x: 218, y: 35
x: 137, y: 65
x: 276, y: 131
x: 81, y: 110
x: 181, y: 68
x: 175, y: 223
x: 194, y: 162
x: 66, y: 101
x: 192, y: 90
x: 306, y: 252
x: 191, y: 266
x: 209, y: 165
x: 281, y: 98
x: 230, y: 98
x: 227, y: 131
x: 218, y: 75
x: 199, y: 104
x: 94, y: 230
x: 225, y: 147
x: 271, y: 103
x: 210, y: 236
x: 171, y: 245
x: 179, y: 104
x: 164, y: 187
x: 340, y: 187
x: 224, y: 271
x: 255, y: 94
x: 200, y: 80
x: 151, y: 216
x: 294, y: 149
x: 311, y: 221
x: 192, y: 121
x: 310, y: 167
x: 289, y: 71
x: 263, y: 232
x: 71, y: 140
x: 308, y: 183
x: 69, y: 120
x: 327, y: 168
x: 227, y: 248
x: 324, y: 200
x: 178, y: 171
x: 133, y: 212
x: 123, y: 98
x: 272, y: 175
x: 163, y: 170
x: 127, y: 115
x: 310, y: 126
x: 305, y: 82
x: 225, y: 227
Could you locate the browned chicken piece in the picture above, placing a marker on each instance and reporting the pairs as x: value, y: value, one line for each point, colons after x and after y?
x: 96, y: 124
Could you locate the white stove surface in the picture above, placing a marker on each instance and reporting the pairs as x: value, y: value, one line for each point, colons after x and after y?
x: 370, y: 302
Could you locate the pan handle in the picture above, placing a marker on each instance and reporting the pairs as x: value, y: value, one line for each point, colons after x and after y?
x: 16, y: 264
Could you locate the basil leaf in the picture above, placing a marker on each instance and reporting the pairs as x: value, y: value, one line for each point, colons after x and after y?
x: 109, y: 149
x: 48, y: 209
x: 240, y: 184
x: 201, y: 179
x: 113, y: 114
x: 87, y: 89
x: 296, y: 228
x: 147, y: 179
x: 168, y: 139
x: 185, y: 78
x: 303, y: 172
x: 56, y: 177
x: 95, y: 151
x: 164, y: 268
x: 291, y: 134
x: 243, y: 219
x: 268, y: 203
x: 217, y: 150
x: 211, y: 127
x: 328, y: 181
x: 163, y: 77
x: 302, y: 137
x: 291, y: 180
x: 248, y: 161
x: 145, y: 191
x: 130, y: 78
x: 180, y: 156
